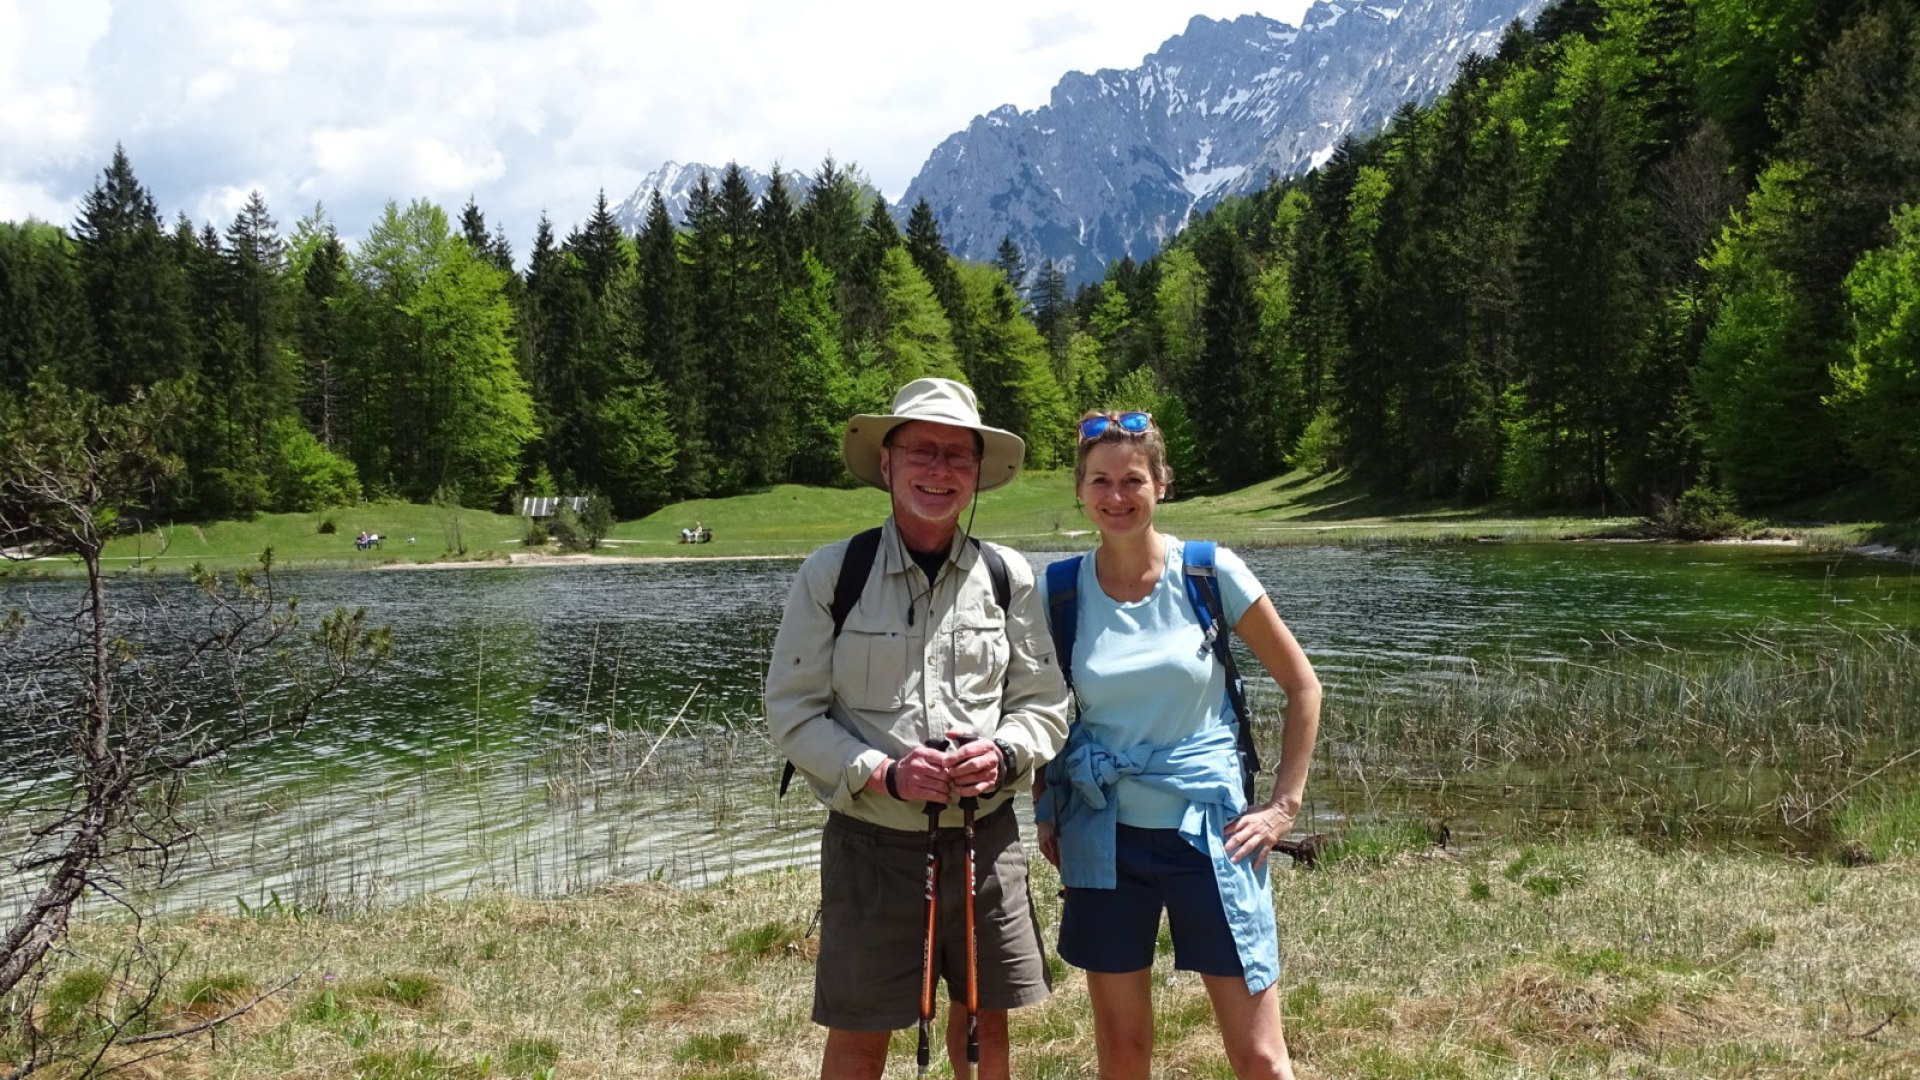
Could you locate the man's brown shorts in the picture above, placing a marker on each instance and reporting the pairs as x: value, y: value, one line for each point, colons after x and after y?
x: 873, y: 911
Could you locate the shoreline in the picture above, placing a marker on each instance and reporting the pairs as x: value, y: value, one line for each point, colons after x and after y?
x: 16, y: 567
x: 571, y: 558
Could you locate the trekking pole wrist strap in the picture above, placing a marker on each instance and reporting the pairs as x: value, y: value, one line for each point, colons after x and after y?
x: 893, y: 788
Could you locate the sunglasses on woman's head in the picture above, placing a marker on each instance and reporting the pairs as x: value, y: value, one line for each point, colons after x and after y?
x: 1133, y: 423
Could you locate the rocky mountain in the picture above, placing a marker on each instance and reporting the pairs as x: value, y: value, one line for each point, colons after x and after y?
x: 677, y: 182
x: 1118, y: 161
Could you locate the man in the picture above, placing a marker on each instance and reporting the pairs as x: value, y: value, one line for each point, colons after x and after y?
x: 927, y: 653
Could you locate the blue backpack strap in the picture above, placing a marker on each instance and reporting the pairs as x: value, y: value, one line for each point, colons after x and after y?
x: 1063, y: 611
x: 1203, y: 591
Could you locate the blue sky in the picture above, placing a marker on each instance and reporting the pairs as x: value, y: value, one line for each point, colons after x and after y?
x: 528, y: 105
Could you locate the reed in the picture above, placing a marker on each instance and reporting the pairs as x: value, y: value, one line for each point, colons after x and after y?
x: 1762, y: 744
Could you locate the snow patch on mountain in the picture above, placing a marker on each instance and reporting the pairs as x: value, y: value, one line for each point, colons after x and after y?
x: 1225, y: 107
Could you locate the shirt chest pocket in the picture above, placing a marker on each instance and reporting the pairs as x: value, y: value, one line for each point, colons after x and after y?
x: 979, y: 661
x: 870, y: 667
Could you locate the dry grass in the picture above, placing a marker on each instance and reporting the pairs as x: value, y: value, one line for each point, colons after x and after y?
x: 1589, y: 958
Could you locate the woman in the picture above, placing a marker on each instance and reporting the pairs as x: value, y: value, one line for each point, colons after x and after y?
x: 1144, y: 809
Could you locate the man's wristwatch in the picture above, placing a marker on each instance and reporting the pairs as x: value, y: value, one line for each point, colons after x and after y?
x: 1009, y: 763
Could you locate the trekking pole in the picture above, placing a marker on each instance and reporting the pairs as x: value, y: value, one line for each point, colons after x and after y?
x: 929, y: 946
x: 973, y: 952
x: 967, y: 806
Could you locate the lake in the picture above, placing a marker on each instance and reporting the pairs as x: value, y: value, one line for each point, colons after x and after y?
x: 544, y: 729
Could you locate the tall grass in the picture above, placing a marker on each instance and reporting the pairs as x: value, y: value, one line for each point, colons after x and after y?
x: 1762, y: 743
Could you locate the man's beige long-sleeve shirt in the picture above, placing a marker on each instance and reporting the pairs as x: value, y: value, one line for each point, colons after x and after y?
x: 911, y: 663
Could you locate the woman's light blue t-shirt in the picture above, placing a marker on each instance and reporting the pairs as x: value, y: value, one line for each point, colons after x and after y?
x: 1144, y: 673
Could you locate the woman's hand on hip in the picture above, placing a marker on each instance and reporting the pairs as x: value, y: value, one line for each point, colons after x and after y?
x: 1256, y: 831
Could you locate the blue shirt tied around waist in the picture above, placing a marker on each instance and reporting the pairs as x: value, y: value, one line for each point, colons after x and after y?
x: 1204, y: 769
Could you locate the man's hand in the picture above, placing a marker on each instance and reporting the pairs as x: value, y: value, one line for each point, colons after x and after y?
x: 921, y: 776
x: 973, y: 766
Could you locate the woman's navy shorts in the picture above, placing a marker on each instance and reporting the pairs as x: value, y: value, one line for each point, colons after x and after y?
x: 1114, y: 930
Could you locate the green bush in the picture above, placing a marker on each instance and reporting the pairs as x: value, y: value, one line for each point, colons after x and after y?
x: 1319, y: 445
x: 305, y: 475
x: 567, y: 531
x: 1525, y: 465
x: 581, y: 530
x: 1702, y: 512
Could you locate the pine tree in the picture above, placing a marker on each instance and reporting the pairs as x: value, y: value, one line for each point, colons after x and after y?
x: 780, y: 237
x: 43, y: 308
x: 473, y: 227
x: 223, y: 464
x: 256, y: 259
x: 666, y: 346
x: 593, y: 367
x: 556, y: 324
x: 732, y: 319
x: 822, y: 388
x: 1053, y: 315
x: 1584, y: 291
x: 1012, y: 264
x: 134, y: 289
x: 830, y: 219
x: 600, y: 247
x: 1857, y: 129
x: 1227, y: 381
x: 320, y: 270
x: 929, y: 251
x: 862, y: 313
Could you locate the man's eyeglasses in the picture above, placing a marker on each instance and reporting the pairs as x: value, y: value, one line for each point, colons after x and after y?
x: 921, y: 457
x: 1133, y: 423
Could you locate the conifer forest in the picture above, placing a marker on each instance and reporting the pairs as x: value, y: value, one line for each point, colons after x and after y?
x: 1646, y: 247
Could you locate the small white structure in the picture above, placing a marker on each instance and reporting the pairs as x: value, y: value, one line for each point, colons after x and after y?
x: 545, y: 506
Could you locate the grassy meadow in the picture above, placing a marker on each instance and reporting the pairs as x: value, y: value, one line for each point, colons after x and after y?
x: 1035, y: 511
x: 1569, y: 958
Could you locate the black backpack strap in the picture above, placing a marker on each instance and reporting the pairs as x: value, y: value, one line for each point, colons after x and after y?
x: 1063, y: 611
x: 855, y: 564
x: 1203, y: 590
x: 997, y: 572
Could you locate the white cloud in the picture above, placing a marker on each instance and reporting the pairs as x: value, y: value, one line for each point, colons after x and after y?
x: 18, y: 202
x: 524, y: 104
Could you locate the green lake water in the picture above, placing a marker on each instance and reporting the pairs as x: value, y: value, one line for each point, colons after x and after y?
x: 544, y: 729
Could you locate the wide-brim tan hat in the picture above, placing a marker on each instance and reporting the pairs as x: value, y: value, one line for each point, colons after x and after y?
x: 938, y: 401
